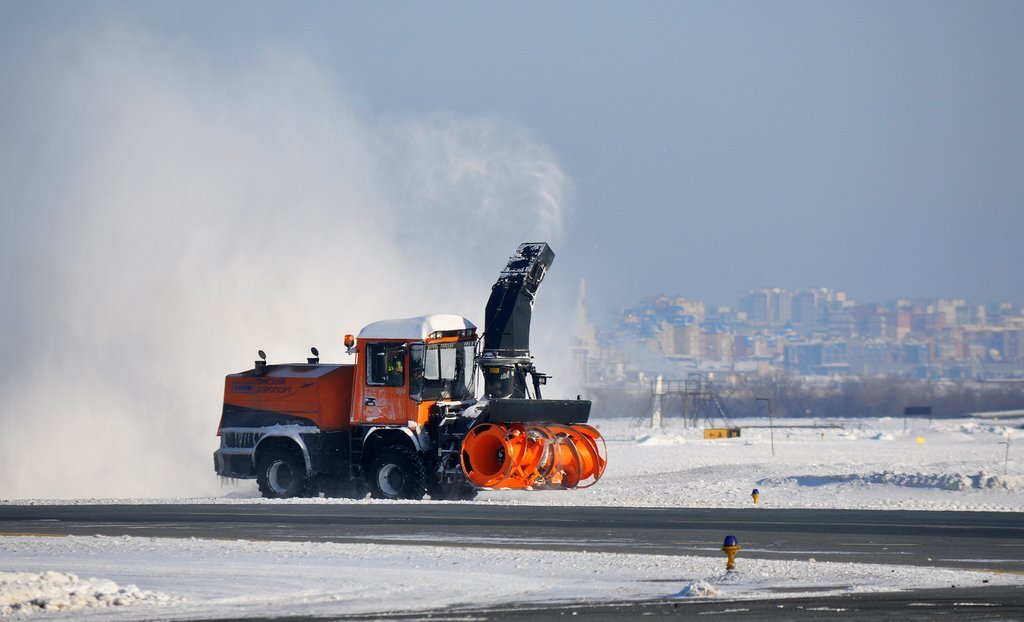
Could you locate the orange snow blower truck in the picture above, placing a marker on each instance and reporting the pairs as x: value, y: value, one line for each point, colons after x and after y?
x: 403, y: 421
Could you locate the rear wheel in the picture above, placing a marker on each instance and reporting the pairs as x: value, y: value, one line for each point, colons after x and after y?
x: 281, y: 474
x: 397, y: 472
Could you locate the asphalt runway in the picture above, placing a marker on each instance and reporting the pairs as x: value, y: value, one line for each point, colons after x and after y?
x: 986, y: 603
x: 992, y: 541
x: 977, y: 540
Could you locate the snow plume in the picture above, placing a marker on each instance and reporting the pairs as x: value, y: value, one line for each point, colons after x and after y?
x: 189, y: 215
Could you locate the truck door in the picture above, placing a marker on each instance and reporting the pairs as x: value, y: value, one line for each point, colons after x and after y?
x: 385, y: 390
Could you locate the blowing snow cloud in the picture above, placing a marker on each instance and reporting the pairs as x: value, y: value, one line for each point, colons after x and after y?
x: 194, y: 214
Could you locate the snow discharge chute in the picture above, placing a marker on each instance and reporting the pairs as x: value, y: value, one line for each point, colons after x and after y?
x: 521, y: 440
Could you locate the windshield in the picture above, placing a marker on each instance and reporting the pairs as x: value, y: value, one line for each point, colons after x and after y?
x: 443, y: 371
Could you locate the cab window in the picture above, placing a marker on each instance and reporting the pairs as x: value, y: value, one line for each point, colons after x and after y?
x: 442, y: 371
x: 386, y: 364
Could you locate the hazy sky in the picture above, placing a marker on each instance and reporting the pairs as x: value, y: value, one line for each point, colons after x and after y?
x: 876, y: 147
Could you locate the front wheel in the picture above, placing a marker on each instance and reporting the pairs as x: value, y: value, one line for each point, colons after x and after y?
x: 281, y: 474
x: 397, y: 472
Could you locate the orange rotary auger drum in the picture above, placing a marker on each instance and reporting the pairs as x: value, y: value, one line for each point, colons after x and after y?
x: 534, y: 456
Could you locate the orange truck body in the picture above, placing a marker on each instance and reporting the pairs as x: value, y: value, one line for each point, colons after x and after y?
x: 320, y: 394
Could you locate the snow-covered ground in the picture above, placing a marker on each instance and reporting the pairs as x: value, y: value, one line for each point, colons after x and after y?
x: 948, y: 464
x: 959, y: 464
x: 181, y: 579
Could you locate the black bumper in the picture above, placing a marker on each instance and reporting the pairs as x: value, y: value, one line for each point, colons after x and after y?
x: 234, y: 464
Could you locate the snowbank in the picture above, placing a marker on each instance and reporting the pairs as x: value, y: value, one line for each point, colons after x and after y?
x: 937, y: 481
x: 25, y: 593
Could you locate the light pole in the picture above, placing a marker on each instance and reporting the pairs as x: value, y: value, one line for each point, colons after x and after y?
x: 1006, y: 460
x: 771, y: 426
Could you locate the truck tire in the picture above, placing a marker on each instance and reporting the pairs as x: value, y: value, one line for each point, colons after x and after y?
x: 397, y: 472
x: 281, y: 474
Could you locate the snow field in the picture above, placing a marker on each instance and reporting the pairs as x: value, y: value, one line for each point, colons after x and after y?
x: 181, y: 579
x: 866, y: 464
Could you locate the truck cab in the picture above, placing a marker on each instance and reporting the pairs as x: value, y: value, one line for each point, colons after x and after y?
x: 411, y: 377
x: 404, y: 367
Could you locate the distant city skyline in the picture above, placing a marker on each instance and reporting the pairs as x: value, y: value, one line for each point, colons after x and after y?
x: 597, y: 311
x: 810, y: 332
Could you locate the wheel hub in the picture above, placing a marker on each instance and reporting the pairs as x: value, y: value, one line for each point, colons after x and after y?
x: 280, y: 477
x: 390, y: 479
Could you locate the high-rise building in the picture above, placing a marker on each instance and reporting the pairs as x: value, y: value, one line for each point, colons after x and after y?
x: 806, y: 308
x: 768, y: 306
x: 757, y: 306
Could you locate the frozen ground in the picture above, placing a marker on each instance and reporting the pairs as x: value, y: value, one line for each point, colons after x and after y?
x: 948, y: 464
x: 181, y: 579
x: 866, y: 464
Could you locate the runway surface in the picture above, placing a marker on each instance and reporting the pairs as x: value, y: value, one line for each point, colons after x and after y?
x: 976, y: 540
x: 972, y: 540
